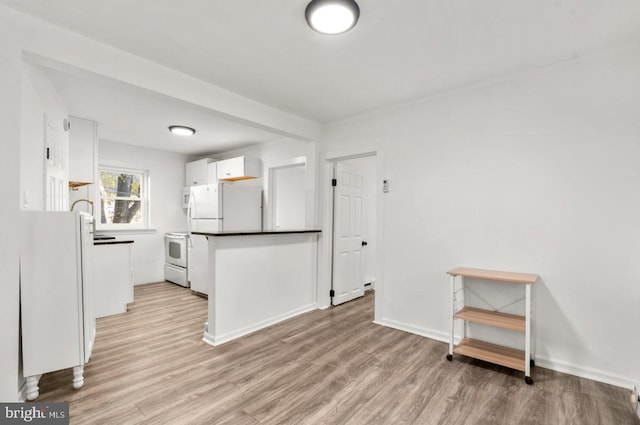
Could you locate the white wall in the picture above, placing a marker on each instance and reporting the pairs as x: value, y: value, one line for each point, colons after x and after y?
x: 166, y: 173
x: 11, y: 71
x: 39, y: 97
x: 537, y: 173
x: 275, y: 153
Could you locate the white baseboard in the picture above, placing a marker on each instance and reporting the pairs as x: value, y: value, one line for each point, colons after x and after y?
x: 151, y: 282
x: 208, y: 338
x: 428, y: 333
x: 585, y: 372
x: 229, y: 336
x: 547, y: 363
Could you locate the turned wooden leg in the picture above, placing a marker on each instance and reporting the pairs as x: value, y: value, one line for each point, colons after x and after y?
x: 78, y: 377
x: 32, y: 387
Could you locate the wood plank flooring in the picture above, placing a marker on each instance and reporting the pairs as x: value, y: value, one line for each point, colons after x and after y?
x: 325, y: 367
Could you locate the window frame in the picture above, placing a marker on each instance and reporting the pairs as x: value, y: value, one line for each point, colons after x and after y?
x: 145, y: 199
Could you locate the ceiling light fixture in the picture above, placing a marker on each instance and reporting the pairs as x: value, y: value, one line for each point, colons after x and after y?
x: 182, y: 130
x: 332, y: 16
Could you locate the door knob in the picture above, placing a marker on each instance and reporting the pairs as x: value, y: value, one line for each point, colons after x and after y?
x: 364, y: 243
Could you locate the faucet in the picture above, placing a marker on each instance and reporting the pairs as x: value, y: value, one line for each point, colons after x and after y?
x: 83, y: 200
x: 94, y: 219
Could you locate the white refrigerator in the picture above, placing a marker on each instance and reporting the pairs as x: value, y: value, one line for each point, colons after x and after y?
x: 218, y: 207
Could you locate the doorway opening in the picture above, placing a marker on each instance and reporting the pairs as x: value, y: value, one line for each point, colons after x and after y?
x: 352, y: 228
x: 286, y: 194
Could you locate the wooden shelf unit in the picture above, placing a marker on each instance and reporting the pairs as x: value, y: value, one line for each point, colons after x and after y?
x: 498, y: 354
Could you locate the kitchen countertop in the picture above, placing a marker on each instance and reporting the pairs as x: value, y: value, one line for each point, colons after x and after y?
x: 257, y: 232
x: 108, y: 241
x: 102, y: 237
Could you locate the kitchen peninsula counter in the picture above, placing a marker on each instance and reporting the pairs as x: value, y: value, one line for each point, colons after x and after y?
x: 257, y: 232
x: 257, y: 279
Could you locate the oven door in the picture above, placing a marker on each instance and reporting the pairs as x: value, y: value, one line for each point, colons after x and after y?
x: 175, y: 249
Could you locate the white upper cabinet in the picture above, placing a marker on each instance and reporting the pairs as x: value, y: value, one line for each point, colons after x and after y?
x: 197, y: 172
x: 208, y: 171
x: 83, y: 150
x: 239, y: 168
x: 213, y: 172
x: 202, y: 171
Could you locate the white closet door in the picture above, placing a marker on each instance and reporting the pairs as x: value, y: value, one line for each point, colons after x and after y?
x: 55, y: 168
x: 348, y: 282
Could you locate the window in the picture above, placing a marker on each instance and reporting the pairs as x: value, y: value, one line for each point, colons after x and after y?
x: 124, y: 199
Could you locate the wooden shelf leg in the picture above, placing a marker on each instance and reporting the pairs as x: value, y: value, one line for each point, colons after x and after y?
x: 452, y: 311
x: 527, y: 337
x: 462, y: 294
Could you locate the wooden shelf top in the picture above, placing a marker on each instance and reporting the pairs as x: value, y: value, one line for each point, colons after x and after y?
x: 501, y: 276
x: 75, y: 185
x: 493, y: 353
x: 492, y: 318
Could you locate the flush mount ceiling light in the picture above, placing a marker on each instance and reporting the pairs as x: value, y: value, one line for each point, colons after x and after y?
x: 181, y: 130
x: 332, y: 16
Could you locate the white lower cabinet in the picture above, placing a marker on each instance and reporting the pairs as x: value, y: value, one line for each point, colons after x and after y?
x: 56, y: 295
x: 114, y: 286
x: 199, y: 264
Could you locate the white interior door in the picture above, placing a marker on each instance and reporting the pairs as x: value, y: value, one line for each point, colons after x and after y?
x: 347, y: 282
x: 55, y: 159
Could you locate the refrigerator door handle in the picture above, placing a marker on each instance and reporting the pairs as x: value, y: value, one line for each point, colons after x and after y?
x: 191, y: 197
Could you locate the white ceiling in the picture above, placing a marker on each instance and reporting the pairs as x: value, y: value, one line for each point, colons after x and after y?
x: 399, y: 51
x: 131, y: 115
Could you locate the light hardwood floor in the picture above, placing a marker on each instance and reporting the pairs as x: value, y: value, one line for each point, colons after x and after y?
x: 325, y: 367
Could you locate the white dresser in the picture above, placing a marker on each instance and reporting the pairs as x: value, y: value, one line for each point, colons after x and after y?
x: 57, y: 300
